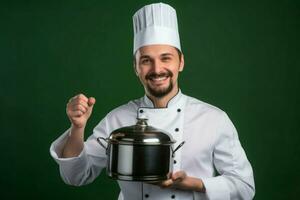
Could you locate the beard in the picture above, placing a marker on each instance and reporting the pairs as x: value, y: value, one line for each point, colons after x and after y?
x: 160, y: 92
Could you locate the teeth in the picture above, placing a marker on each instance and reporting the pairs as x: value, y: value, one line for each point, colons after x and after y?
x: 159, y: 78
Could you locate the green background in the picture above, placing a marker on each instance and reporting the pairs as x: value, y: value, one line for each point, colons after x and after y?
x: 241, y: 56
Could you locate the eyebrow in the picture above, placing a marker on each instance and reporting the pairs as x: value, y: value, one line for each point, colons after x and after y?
x: 144, y: 56
x: 162, y: 55
x: 166, y: 54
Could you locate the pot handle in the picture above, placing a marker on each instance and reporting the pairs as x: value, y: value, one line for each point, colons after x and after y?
x: 178, y: 147
x: 99, y: 141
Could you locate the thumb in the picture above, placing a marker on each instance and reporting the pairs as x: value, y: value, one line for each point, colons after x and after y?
x: 91, y: 101
x: 178, y: 176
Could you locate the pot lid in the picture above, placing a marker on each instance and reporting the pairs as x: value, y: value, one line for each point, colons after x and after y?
x: 142, y: 134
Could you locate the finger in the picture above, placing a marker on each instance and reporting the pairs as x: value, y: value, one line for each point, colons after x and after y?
x: 79, y: 107
x: 77, y: 96
x: 91, y: 101
x: 178, y: 176
x: 166, y: 183
x: 76, y: 113
x: 81, y: 97
x: 71, y: 99
x: 78, y: 102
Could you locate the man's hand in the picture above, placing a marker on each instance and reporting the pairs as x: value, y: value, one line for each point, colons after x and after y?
x: 180, y: 180
x: 79, y: 109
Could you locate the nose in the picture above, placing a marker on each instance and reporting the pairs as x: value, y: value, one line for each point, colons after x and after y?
x: 157, y: 66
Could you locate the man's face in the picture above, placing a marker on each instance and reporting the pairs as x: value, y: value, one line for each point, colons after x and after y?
x: 157, y: 67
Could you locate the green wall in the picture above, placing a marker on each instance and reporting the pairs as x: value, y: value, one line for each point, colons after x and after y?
x: 242, y: 56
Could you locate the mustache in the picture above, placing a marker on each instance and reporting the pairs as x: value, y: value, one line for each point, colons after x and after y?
x: 152, y: 75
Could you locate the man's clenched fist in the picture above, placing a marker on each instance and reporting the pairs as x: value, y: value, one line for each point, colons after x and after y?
x: 79, y: 109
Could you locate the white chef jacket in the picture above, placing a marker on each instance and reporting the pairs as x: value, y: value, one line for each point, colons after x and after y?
x: 212, y: 151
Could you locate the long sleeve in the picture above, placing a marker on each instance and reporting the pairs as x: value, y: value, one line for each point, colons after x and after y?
x: 235, y: 179
x: 84, y: 168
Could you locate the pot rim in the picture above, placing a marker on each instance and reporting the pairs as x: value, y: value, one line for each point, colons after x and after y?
x: 112, y: 141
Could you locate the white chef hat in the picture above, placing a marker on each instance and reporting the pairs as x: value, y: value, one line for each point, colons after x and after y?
x: 155, y: 24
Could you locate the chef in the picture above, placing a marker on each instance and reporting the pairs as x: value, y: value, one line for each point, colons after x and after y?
x: 210, y: 165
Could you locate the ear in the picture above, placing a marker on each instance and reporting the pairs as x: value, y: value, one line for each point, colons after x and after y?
x: 134, y: 66
x: 181, y: 66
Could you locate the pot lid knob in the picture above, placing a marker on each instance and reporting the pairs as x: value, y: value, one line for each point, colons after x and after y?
x: 142, y: 121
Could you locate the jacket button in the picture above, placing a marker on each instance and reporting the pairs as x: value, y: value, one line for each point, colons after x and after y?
x: 146, y: 195
x: 178, y: 110
x: 174, y: 161
x: 141, y: 111
x: 173, y: 196
x: 176, y: 129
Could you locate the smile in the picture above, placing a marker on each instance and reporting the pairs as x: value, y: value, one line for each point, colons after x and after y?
x: 159, y: 78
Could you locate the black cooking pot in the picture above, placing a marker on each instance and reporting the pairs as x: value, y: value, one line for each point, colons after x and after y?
x: 139, y: 153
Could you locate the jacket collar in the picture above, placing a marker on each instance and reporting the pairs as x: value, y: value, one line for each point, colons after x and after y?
x: 147, y: 102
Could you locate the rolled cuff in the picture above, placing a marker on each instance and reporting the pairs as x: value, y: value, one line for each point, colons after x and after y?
x: 56, y: 149
x: 216, y: 189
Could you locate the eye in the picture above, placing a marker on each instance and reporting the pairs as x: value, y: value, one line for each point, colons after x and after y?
x: 145, y: 61
x: 166, y: 58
